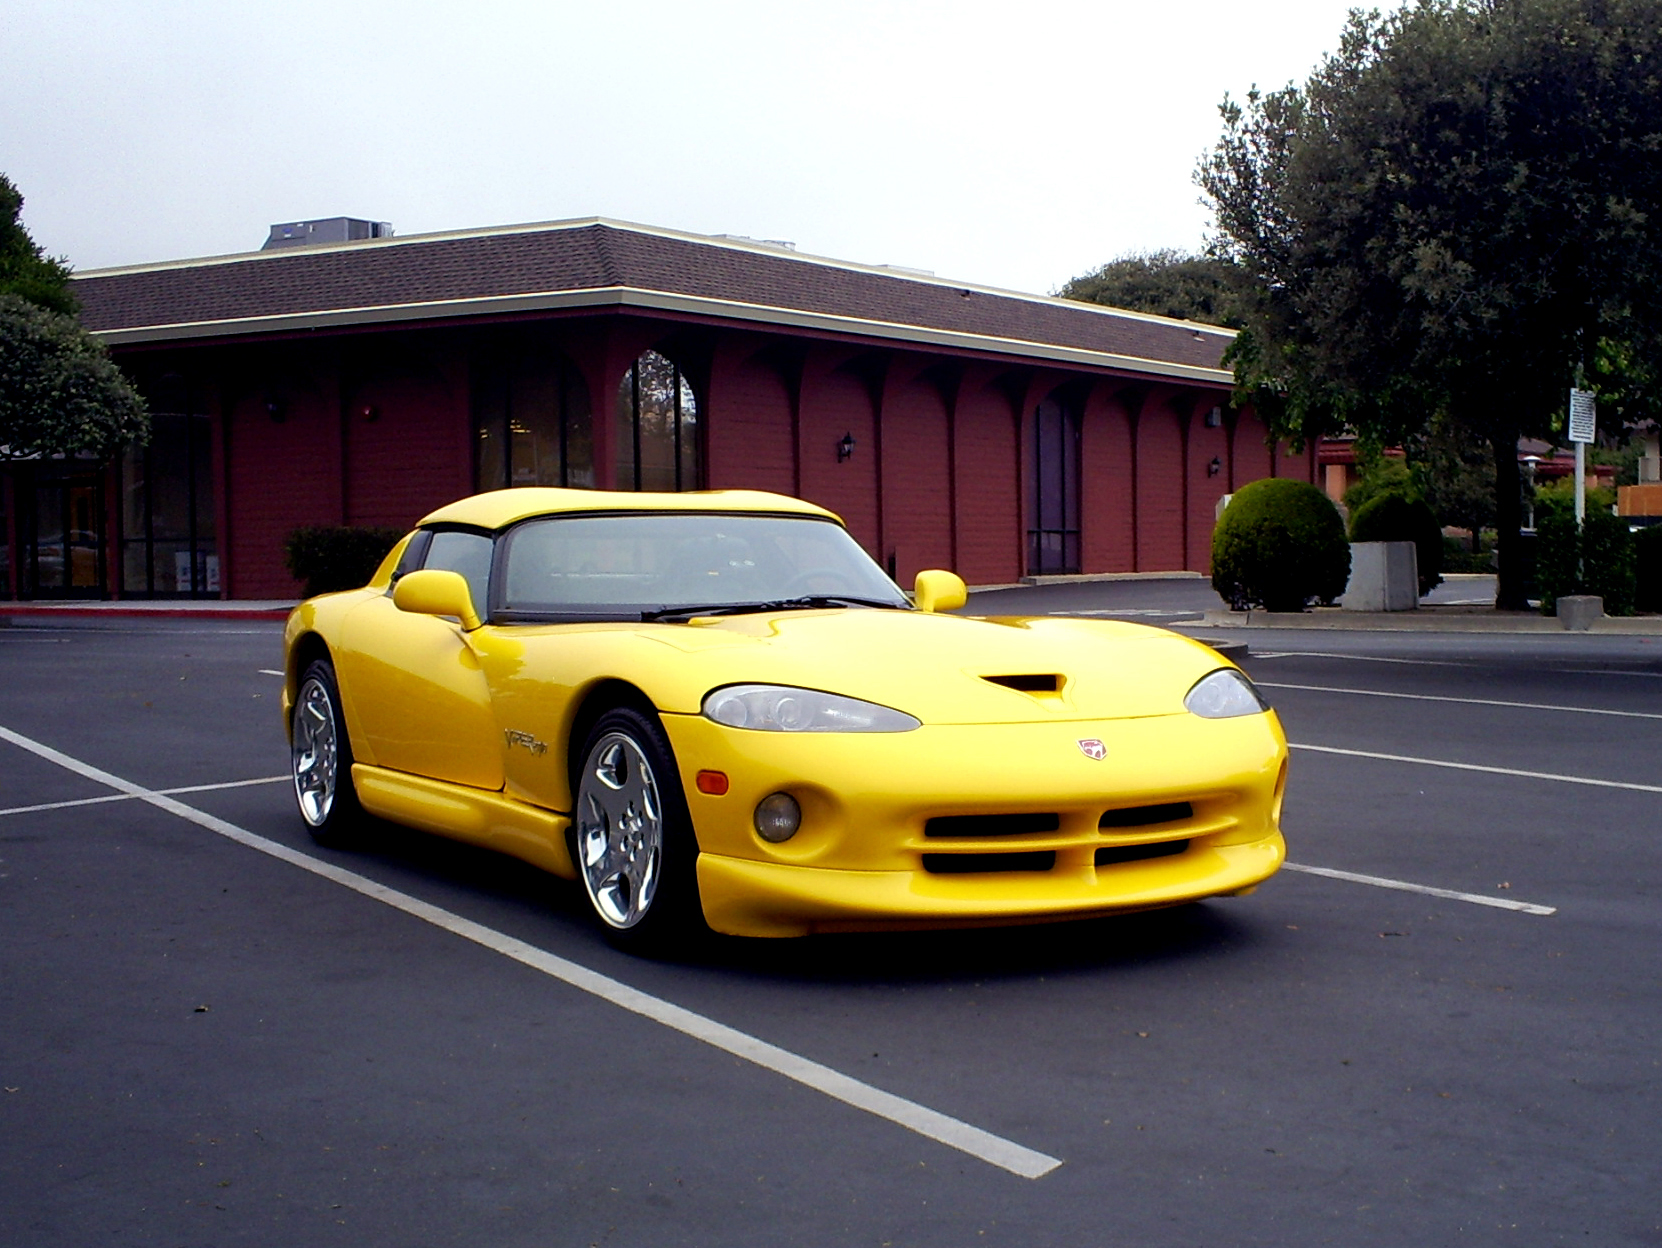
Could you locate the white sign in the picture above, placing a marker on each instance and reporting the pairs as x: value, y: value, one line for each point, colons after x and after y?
x: 1583, y: 416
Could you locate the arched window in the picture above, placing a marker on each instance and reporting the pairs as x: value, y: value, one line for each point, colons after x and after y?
x: 658, y: 444
x: 532, y: 423
x: 1053, y: 530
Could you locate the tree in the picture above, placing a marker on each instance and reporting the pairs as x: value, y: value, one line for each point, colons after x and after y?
x: 60, y: 393
x: 25, y: 270
x: 1451, y: 219
x: 1166, y: 283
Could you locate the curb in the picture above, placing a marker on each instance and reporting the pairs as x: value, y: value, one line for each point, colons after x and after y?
x: 1418, y: 621
x: 46, y: 611
x: 1088, y: 578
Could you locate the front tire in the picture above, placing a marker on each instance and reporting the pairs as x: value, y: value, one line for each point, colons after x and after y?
x: 321, y: 760
x: 631, y: 835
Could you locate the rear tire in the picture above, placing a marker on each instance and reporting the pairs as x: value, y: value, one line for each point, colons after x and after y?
x: 321, y: 760
x: 631, y: 837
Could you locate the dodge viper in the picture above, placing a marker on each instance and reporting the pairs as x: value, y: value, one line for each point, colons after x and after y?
x: 715, y: 710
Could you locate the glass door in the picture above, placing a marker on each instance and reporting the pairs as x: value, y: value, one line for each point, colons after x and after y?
x: 63, y: 546
x: 1053, y: 531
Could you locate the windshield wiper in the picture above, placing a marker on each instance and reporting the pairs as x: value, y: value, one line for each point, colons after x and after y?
x: 808, y: 602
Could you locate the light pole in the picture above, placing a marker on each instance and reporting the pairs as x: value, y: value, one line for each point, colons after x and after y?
x: 1529, y: 462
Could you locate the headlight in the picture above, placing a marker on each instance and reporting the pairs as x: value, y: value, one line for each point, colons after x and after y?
x: 779, y: 708
x: 1225, y: 694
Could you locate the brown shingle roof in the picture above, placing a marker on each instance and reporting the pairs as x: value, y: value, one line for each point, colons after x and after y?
x: 595, y: 263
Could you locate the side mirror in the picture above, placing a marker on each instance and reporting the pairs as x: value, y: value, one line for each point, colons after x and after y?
x: 433, y: 592
x: 936, y: 590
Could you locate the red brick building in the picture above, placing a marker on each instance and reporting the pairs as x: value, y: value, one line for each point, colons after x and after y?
x: 998, y: 434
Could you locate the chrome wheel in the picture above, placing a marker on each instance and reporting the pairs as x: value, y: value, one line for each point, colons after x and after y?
x: 316, y: 752
x: 620, y: 830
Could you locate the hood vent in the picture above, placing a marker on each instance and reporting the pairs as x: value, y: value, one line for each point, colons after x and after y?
x: 1047, y: 682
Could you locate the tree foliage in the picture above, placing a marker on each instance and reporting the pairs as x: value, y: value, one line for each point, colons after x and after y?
x: 60, y: 393
x: 25, y: 270
x: 1166, y: 283
x: 1452, y: 218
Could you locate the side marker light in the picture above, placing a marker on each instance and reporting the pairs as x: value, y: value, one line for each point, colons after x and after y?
x: 712, y: 782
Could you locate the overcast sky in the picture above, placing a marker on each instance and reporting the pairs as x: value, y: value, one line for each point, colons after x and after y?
x: 1016, y: 143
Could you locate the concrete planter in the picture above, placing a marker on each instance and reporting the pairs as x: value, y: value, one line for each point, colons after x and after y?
x: 1578, y: 611
x: 1384, y: 576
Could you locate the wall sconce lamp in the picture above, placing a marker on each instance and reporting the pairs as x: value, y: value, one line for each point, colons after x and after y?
x: 277, y: 410
x: 1214, y: 418
x: 1215, y: 467
x: 369, y: 413
x: 845, y: 448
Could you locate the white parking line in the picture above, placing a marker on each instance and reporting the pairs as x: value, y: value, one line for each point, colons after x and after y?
x: 954, y: 1133
x: 1379, y: 881
x: 1431, y: 697
x: 266, y: 671
x: 1355, y: 658
x: 1623, y: 673
x: 1494, y: 771
x: 127, y: 797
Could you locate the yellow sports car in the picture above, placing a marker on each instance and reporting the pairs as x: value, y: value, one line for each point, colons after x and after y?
x: 715, y: 709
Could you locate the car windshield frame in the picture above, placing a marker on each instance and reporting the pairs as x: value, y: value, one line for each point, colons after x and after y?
x: 708, y: 535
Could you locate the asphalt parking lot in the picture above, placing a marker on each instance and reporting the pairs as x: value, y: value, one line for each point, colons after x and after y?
x: 217, y: 1034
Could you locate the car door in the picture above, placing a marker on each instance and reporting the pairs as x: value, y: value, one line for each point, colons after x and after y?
x: 414, y: 683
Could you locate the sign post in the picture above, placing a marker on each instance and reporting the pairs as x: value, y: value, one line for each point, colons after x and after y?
x: 1583, y: 421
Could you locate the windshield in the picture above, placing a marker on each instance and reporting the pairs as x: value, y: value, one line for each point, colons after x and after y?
x: 656, y: 562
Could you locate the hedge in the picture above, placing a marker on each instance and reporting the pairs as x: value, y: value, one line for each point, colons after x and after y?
x: 1647, y: 567
x: 326, y: 558
x: 1599, y: 559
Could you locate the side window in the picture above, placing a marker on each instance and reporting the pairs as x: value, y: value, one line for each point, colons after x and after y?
x: 469, y: 554
x: 413, y: 554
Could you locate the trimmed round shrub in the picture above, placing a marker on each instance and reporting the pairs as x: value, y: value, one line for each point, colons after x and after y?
x: 1279, y: 544
x: 1647, y: 565
x: 1399, y: 518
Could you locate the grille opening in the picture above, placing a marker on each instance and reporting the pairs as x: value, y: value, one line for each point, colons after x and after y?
x: 1142, y: 816
x: 990, y: 825
x: 1108, y: 855
x: 1047, y: 682
x: 972, y: 864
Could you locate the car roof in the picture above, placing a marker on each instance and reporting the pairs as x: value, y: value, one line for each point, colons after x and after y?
x: 498, y: 508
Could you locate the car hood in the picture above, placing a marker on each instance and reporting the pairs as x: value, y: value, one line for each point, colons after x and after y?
x: 943, y: 669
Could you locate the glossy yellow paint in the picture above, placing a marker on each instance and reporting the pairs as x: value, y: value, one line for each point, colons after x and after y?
x: 865, y: 800
x: 499, y: 508
x: 468, y: 733
x: 751, y: 898
x: 940, y: 591
x: 473, y: 815
x: 433, y: 592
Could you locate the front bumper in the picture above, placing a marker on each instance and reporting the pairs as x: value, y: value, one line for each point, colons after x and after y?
x: 883, y: 845
x: 745, y: 898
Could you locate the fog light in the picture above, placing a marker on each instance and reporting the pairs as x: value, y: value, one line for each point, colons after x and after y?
x: 777, y: 817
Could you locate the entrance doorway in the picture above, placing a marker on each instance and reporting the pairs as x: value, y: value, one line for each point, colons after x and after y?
x: 61, y: 531
x: 1053, y: 531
